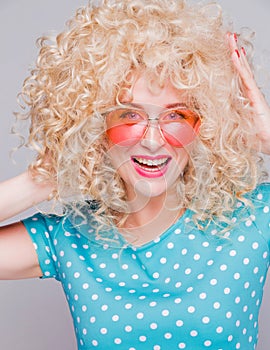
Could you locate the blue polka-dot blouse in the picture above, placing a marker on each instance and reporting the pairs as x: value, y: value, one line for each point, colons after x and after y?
x: 187, y: 289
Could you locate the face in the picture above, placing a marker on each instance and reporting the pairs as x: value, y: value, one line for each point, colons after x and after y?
x: 148, y: 154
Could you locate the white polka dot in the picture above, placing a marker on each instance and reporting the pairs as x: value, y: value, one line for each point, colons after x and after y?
x: 163, y: 260
x: 255, y: 245
x: 142, y: 338
x: 176, y: 266
x: 216, y: 305
x: 94, y: 297
x: 128, y: 306
x: 213, y: 282
x: 167, y: 335
x: 246, y: 261
x: 124, y: 266
x: 205, y: 320
x: 103, y: 330
x: 227, y: 290
x: 233, y: 252
x: 248, y: 223
x: 148, y: 254
x: 219, y: 329
x: 177, y: 231
x: 128, y: 328
x: 228, y: 314
x: 188, y: 271
x: 236, y: 276
x: 178, y: 300
x: 181, y: 345
x: 203, y: 296
x: 207, y: 343
x: 237, y: 300
x: 115, y: 318
x: 194, y: 333
x: 191, y: 309
x: 153, y: 303
x: 117, y: 341
x: 241, y: 238
x: 104, y: 307
x: 153, y: 325
x: 266, y: 209
x: 77, y: 275
x: 184, y: 251
x: 170, y: 245
x: 85, y: 286
x: 197, y: 257
x: 179, y: 323
x: 165, y: 313
x: 92, y: 319
x: 140, y: 315
x: 155, y: 275
x: 135, y: 276
x: 223, y: 267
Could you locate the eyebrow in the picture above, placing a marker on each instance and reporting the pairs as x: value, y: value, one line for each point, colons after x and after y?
x: 169, y: 106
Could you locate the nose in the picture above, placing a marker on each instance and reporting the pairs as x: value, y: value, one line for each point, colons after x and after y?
x: 152, y: 138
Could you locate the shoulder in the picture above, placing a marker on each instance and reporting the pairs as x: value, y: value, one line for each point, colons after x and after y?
x: 260, y: 197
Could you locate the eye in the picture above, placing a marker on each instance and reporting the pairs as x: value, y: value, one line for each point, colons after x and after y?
x: 175, y: 115
x: 179, y: 115
x: 129, y: 115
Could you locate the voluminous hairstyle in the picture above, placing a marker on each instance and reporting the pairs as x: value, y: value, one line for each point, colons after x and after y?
x: 81, y: 72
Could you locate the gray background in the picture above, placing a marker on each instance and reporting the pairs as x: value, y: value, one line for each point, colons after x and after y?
x: 34, y: 313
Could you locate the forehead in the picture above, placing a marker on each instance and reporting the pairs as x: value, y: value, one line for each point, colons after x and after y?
x: 158, y: 95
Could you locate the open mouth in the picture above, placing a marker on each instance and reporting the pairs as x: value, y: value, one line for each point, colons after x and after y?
x: 151, y: 165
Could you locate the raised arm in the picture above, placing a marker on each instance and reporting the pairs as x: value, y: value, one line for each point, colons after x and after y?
x: 18, y: 258
x: 20, y: 193
x: 254, y: 94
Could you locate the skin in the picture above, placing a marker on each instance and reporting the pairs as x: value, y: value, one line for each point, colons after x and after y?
x: 18, y: 258
x: 151, y: 199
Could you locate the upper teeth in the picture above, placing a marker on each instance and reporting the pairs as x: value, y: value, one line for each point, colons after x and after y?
x: 152, y: 161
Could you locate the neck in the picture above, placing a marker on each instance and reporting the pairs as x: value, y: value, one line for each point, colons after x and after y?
x: 149, y: 218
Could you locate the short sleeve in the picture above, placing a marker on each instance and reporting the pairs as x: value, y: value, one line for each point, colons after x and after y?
x: 42, y: 230
x: 261, y: 202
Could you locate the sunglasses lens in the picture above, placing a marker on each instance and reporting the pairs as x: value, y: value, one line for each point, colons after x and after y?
x: 179, y: 134
x: 125, y: 127
x: 126, y: 134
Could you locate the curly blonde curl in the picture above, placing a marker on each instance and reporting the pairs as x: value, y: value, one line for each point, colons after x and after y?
x: 80, y: 73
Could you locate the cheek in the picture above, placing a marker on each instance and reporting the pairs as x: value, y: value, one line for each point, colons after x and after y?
x: 119, y: 157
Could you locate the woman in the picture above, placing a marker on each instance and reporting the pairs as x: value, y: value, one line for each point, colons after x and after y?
x: 146, y: 120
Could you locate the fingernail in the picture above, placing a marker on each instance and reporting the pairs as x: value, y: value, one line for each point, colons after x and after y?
x: 238, y: 53
x: 244, y: 51
x: 235, y: 37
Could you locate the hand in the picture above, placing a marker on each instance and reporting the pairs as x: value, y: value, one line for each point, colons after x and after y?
x: 253, y: 93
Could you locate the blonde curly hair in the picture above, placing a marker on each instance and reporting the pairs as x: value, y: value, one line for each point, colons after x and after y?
x: 80, y: 73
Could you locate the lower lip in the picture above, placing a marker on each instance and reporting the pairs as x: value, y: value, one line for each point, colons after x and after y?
x: 151, y: 174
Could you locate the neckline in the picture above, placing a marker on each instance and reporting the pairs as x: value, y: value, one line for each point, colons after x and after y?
x: 180, y: 221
